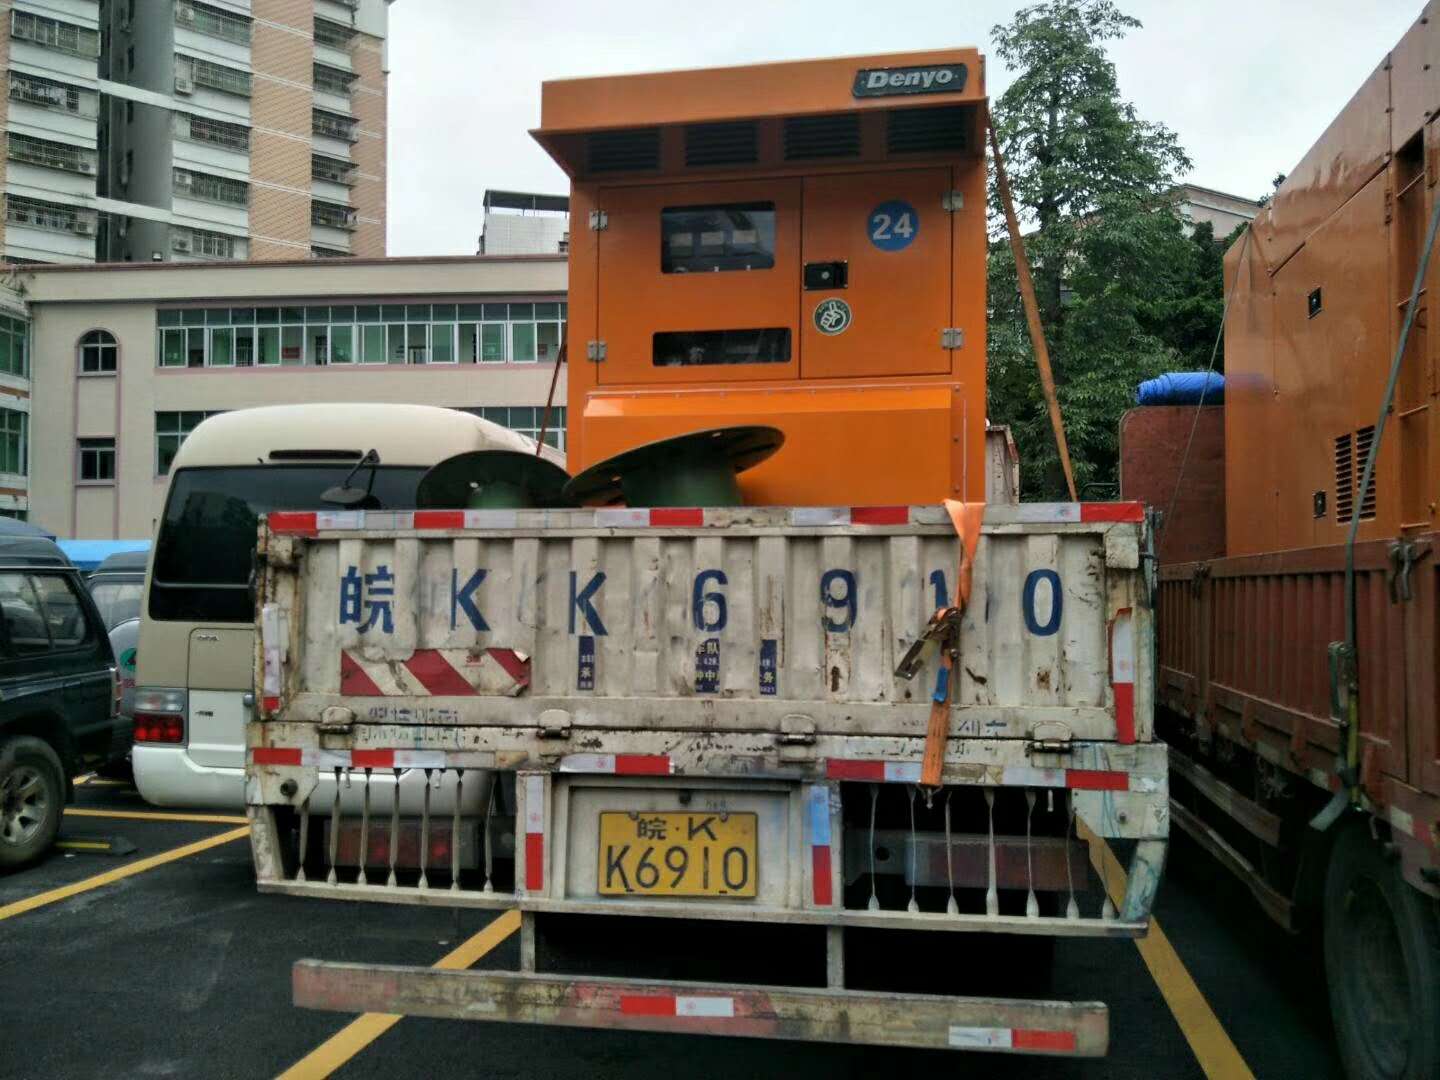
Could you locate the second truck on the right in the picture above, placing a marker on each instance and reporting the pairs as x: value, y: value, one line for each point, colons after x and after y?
x: 1302, y: 699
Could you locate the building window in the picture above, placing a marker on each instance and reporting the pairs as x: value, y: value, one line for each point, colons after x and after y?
x: 14, y: 442
x: 98, y: 353
x: 97, y: 460
x: 57, y: 217
x: 331, y: 214
x: 525, y: 420
x: 319, y: 252
x: 332, y: 34
x: 47, y: 93
x: 203, y: 242
x: 332, y: 169
x: 333, y: 125
x: 322, y: 335
x: 331, y: 80
x: 204, y: 19
x: 14, y: 345
x: 51, y: 155
x: 227, y: 80
x: 53, y: 34
x: 216, y: 132
x: 219, y: 189
x: 171, y: 430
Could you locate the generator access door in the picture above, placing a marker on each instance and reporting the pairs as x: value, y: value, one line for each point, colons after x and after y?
x: 698, y: 282
x: 877, y: 275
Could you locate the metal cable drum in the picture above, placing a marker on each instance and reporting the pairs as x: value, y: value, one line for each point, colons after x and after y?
x: 699, y: 469
x: 492, y: 480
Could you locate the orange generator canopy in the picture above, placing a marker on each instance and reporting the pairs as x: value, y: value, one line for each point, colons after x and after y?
x: 800, y: 245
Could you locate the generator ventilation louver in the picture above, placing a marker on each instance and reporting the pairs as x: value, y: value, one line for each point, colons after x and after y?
x: 721, y: 144
x: 630, y: 150
x: 810, y: 137
x: 1350, y: 453
x: 937, y: 130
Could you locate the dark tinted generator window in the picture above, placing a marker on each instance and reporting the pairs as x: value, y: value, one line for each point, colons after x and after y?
x: 206, y: 544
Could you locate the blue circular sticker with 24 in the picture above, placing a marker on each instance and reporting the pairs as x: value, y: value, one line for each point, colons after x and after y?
x: 893, y: 225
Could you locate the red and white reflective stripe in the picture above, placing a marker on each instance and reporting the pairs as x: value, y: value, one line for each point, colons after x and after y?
x: 879, y: 772
x: 697, y: 1005
x: 347, y: 759
x: 271, y: 648
x: 908, y: 772
x: 664, y: 517
x: 998, y: 1038
x: 1112, y: 511
x: 1122, y: 673
x: 810, y: 516
x: 817, y: 800
x: 534, y: 833
x: 1075, y: 513
x: 435, y: 672
x: 618, y: 764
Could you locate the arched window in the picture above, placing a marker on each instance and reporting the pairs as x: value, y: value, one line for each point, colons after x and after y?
x: 98, y: 353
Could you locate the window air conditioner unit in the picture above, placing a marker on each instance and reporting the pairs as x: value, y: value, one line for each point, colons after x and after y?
x: 84, y: 227
x: 184, y: 84
x: 180, y: 243
x: 87, y: 167
x: 182, y: 181
x: 185, y: 14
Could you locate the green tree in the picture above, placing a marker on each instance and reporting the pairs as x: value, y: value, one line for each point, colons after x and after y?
x: 1123, y: 292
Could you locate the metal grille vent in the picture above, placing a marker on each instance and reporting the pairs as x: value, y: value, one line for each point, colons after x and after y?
x: 1344, y: 478
x: 935, y: 130
x: 721, y: 144
x: 1363, y: 440
x: 808, y: 137
x: 631, y: 150
x: 1350, y: 454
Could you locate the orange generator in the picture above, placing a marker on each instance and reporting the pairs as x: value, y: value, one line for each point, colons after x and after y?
x: 1305, y: 743
x: 835, y: 210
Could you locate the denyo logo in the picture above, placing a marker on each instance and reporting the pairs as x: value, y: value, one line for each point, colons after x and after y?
x: 884, y: 82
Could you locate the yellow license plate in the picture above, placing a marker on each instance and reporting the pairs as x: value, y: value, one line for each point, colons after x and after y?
x: 678, y: 854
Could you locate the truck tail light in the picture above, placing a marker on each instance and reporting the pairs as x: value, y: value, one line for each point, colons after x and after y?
x: 159, y: 728
x: 160, y: 715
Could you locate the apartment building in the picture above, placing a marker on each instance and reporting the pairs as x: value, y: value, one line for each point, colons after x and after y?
x: 124, y: 361
x: 189, y: 131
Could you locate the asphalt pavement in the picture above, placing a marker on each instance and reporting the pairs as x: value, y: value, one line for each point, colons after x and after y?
x: 173, y: 965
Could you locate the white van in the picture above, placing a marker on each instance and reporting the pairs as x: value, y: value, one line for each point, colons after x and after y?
x: 196, y: 660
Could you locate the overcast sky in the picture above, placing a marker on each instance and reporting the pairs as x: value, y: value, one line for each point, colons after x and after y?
x: 1246, y: 84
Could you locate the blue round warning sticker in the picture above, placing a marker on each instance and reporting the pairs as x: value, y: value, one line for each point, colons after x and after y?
x: 893, y: 225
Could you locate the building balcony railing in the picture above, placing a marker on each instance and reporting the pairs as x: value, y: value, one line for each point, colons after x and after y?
x: 51, y: 155
x: 56, y: 217
x: 54, y: 34
x: 331, y: 215
x: 333, y: 35
x: 331, y: 169
x: 49, y: 94
x: 334, y: 125
x: 329, y: 80
x: 212, y: 22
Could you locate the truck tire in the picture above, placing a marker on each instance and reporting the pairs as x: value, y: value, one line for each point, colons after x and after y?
x: 1382, y: 963
x: 32, y: 798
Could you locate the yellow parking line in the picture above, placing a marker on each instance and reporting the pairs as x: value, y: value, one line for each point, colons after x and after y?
x: 139, y: 866
x: 1202, y: 1029
x: 150, y: 815
x: 83, y: 845
x: 77, y: 781
x: 361, y: 1032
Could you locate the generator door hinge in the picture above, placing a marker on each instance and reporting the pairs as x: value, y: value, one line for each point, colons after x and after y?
x: 952, y: 201
x: 599, y: 220
x: 952, y: 337
x: 595, y: 350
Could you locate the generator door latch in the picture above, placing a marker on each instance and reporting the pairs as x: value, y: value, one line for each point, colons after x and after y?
x: 827, y: 275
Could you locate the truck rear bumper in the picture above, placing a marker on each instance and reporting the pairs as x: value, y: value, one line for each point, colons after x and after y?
x: 1053, y: 1028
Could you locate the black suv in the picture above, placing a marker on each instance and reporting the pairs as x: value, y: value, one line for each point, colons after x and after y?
x: 58, y: 695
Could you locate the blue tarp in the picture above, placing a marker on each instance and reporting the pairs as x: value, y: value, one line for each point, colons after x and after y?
x: 88, y: 554
x: 1182, y: 388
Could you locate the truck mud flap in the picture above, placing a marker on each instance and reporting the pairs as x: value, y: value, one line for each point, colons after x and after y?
x: 1054, y: 1028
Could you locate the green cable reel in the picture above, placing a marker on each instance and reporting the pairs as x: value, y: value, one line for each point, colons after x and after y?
x: 699, y: 469
x: 492, y: 480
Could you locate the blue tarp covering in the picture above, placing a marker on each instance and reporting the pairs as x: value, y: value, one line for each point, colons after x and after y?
x: 1182, y: 388
x: 88, y: 554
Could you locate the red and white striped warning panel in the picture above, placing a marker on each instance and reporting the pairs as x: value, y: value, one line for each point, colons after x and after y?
x: 817, y: 805
x: 350, y: 759
x: 908, y: 772
x: 618, y: 764
x: 1003, y: 1038
x: 1122, y: 673
x: 436, y: 673
x: 313, y: 522
x: 699, y: 1005
x: 534, y: 833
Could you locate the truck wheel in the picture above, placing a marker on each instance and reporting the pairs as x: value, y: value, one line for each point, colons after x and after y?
x: 32, y: 798
x: 1382, y: 961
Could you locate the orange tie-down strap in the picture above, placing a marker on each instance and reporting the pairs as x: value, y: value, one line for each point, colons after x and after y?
x: 967, y: 518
